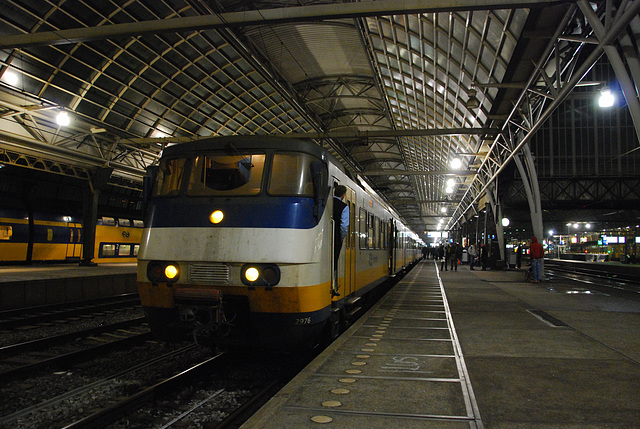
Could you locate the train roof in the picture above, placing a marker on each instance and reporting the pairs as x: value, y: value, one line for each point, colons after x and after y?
x: 249, y: 142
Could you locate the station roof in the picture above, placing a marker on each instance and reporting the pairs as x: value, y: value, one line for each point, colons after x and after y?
x: 395, y: 89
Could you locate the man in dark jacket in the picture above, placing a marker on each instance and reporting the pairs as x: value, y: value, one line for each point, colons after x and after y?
x: 537, y: 253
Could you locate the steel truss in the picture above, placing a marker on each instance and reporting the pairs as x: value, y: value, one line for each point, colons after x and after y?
x: 560, y: 69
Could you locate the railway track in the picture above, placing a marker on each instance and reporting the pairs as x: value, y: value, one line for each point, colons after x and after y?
x: 596, y: 279
x: 114, y: 411
x: 76, y: 404
x: 21, y: 360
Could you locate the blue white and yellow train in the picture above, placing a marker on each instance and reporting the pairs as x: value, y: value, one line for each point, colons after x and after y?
x: 238, y: 244
x: 55, y: 237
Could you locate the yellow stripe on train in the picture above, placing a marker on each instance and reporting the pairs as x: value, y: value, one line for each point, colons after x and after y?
x: 301, y: 299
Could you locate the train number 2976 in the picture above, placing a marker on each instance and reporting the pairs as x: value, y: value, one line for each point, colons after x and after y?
x: 303, y: 321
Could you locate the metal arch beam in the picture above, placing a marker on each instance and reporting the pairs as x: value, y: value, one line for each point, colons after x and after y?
x: 354, y: 134
x: 417, y: 173
x: 395, y: 133
x: 632, y: 10
x: 262, y: 17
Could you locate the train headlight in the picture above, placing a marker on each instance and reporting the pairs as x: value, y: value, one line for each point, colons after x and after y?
x: 171, y: 271
x: 216, y: 216
x: 163, y: 272
x: 252, y: 274
x: 260, y: 275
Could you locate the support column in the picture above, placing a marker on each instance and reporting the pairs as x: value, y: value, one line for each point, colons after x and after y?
x: 90, y: 213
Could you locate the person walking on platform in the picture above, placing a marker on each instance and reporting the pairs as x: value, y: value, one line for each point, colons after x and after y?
x: 445, y: 252
x: 471, y: 251
x: 536, y: 252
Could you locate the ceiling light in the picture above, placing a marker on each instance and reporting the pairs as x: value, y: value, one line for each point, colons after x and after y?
x: 63, y: 119
x: 10, y: 77
x: 606, y: 98
x: 443, y: 210
x: 473, y: 101
x: 456, y: 163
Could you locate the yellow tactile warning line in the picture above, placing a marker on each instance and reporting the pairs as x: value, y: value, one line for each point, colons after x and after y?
x: 358, y: 364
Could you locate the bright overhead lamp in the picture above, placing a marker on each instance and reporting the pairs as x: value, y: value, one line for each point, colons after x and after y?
x: 443, y: 209
x: 63, y: 119
x: 11, y: 77
x: 456, y: 163
x: 505, y: 221
x: 607, y: 99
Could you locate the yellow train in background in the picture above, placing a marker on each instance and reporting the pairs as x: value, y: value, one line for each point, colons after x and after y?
x: 58, y: 238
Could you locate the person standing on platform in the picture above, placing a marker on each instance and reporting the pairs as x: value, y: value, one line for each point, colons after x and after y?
x: 471, y: 251
x: 445, y: 252
x: 537, y: 254
x: 453, y: 256
x: 341, y: 220
x: 484, y: 256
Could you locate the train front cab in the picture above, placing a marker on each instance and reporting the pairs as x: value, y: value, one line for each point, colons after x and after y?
x: 261, y: 224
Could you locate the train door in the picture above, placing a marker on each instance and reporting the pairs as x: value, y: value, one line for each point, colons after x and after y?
x: 74, y: 245
x: 350, y: 244
x: 392, y: 246
x: 71, y: 243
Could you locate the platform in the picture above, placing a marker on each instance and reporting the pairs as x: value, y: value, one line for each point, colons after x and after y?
x: 492, y: 351
x: 37, y: 285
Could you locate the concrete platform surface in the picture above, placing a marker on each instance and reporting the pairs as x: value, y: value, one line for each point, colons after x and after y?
x: 38, y: 285
x: 492, y: 352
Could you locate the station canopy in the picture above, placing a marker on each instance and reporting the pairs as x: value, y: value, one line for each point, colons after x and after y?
x: 395, y: 89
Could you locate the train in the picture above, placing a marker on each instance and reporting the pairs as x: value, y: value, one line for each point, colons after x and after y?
x: 237, y: 248
x: 55, y: 237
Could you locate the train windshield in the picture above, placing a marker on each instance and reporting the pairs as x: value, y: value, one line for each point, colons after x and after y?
x: 170, y: 177
x: 228, y: 175
x: 291, y: 174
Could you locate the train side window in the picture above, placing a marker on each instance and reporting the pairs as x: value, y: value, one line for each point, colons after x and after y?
x: 124, y: 250
x: 107, y: 250
x: 363, y: 228
x: 370, y: 231
x: 124, y: 222
x: 138, y: 223
x: 136, y: 247
x: 109, y: 221
x: 70, y: 235
x: 6, y: 232
x: 49, y: 234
